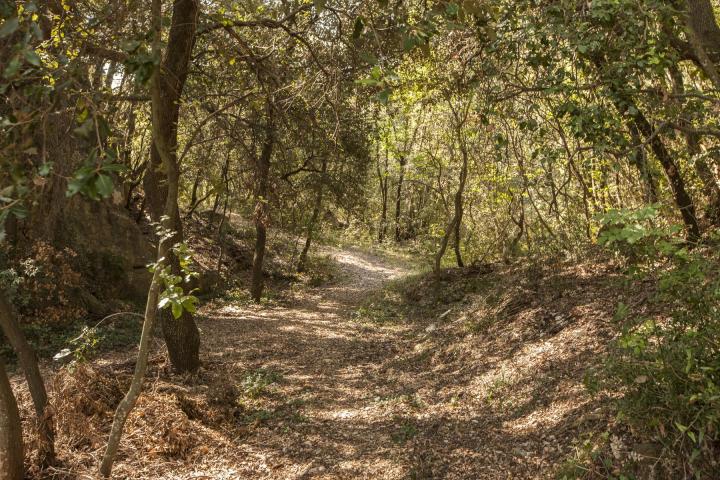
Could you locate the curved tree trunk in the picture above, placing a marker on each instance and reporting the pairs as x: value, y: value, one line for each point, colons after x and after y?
x: 165, y: 88
x: 443, y: 245
x: 36, y: 385
x: 262, y: 172
x: 11, y: 442
x: 677, y: 184
x: 638, y: 121
x: 313, y: 219
x: 181, y: 335
x: 459, y: 199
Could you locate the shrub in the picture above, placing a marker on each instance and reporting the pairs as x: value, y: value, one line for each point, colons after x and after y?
x: 668, y: 368
x: 44, y: 285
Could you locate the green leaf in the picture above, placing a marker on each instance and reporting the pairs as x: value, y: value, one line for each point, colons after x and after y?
x: 32, y: 58
x: 86, y: 129
x: 409, y: 43
x: 12, y: 68
x: 384, y: 96
x: 9, y: 27
x: 113, y: 167
x: 177, y: 310
x: 45, y: 169
x: 104, y: 185
x: 452, y: 9
x: 320, y: 4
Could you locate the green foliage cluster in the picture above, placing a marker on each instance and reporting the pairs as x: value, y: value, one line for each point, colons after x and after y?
x: 256, y: 382
x: 174, y: 295
x: 667, y: 367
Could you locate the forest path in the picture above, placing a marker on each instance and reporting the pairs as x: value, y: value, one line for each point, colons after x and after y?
x: 318, y: 385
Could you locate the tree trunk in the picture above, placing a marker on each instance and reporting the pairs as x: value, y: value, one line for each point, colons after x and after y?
x: 383, y: 181
x: 639, y: 159
x: 128, y: 402
x: 702, y: 22
x: 181, y: 335
x: 313, y: 219
x: 262, y: 172
x: 11, y: 441
x: 709, y: 182
x: 383, y: 215
x: 625, y: 104
x: 398, y: 199
x: 459, y: 197
x: 677, y: 184
x: 443, y: 246
x: 28, y: 362
x: 166, y: 87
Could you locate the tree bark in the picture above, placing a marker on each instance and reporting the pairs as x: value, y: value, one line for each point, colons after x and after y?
x: 383, y: 183
x: 164, y: 122
x: 639, y: 159
x: 702, y: 22
x: 314, y: 218
x: 11, y: 441
x: 181, y: 335
x: 677, y: 184
x: 398, y: 198
x: 29, y: 364
x: 443, y: 245
x: 711, y: 189
x: 262, y: 172
x: 459, y: 197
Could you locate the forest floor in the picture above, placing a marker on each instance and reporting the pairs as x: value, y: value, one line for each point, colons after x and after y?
x: 381, y: 373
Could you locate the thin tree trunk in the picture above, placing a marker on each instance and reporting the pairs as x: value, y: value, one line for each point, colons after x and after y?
x: 677, y: 184
x: 181, y: 335
x: 261, y: 208
x: 11, y: 441
x: 29, y: 364
x: 196, y: 184
x: 165, y: 88
x: 443, y: 245
x: 459, y: 197
x: 624, y: 103
x: 383, y: 181
x: 313, y: 219
x: 639, y: 159
x: 128, y: 402
x: 398, y: 199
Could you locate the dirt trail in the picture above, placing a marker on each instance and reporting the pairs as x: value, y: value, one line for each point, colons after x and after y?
x: 327, y: 416
x: 301, y: 388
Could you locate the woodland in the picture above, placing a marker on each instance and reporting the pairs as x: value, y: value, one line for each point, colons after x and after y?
x: 377, y: 239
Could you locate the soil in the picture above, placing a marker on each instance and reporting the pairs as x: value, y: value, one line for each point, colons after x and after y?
x: 305, y: 388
